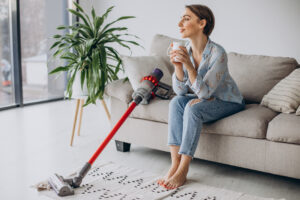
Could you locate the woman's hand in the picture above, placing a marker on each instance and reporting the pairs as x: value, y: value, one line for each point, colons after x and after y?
x: 182, y: 57
x: 172, y: 55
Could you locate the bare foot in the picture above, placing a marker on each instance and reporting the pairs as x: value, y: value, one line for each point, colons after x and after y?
x: 170, y: 173
x: 177, y: 180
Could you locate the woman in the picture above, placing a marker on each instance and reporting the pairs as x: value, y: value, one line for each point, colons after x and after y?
x: 202, y: 66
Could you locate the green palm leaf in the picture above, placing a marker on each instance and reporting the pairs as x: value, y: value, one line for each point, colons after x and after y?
x: 86, y: 50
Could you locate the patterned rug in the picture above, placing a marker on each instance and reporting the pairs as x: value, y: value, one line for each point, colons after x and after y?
x: 116, y: 182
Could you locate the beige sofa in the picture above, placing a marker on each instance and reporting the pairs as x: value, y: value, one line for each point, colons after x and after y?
x: 256, y: 138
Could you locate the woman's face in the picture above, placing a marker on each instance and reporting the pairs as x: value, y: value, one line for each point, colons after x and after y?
x: 190, y: 25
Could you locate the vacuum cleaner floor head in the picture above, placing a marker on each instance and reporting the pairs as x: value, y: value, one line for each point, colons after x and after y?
x: 60, y: 186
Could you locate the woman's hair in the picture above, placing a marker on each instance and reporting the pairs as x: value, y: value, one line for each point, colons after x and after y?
x: 203, y: 12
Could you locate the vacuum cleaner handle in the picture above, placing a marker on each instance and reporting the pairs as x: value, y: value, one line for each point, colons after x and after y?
x: 150, y: 83
x: 76, y: 181
x: 143, y: 93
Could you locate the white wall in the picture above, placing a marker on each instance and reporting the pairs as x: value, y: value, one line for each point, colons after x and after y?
x: 265, y: 27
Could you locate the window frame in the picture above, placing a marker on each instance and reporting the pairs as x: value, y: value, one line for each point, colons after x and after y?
x: 16, y: 58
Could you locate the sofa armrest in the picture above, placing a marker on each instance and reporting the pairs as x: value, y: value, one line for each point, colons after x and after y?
x: 120, y: 90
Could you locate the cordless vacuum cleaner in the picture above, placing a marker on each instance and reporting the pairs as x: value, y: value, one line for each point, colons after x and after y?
x: 148, y: 89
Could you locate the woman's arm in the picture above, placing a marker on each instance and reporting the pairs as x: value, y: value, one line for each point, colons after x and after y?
x: 178, y: 80
x: 205, y: 87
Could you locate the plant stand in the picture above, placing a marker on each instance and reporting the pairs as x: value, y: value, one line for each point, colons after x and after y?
x: 105, y: 108
x: 79, y: 105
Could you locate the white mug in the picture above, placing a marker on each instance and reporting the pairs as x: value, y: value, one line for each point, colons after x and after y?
x: 176, y: 46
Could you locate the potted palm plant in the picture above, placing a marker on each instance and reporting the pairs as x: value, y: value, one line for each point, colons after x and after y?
x: 88, y: 52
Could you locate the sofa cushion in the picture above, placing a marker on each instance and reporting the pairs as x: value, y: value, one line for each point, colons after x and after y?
x: 136, y: 67
x: 251, y: 122
x: 255, y: 75
x: 120, y: 90
x: 284, y: 128
x: 159, y: 47
x: 157, y: 110
x: 284, y: 96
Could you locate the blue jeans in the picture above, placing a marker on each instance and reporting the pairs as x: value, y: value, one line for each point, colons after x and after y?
x: 186, y: 118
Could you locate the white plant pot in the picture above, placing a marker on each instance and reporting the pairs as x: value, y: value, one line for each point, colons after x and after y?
x: 77, y: 92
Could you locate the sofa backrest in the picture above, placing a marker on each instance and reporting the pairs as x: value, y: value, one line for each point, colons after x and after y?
x: 254, y: 75
x: 159, y: 46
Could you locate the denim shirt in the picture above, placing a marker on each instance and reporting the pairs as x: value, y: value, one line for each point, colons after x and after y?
x: 213, y: 78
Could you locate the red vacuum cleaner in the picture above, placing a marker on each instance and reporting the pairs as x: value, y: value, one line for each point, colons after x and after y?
x: 149, y: 88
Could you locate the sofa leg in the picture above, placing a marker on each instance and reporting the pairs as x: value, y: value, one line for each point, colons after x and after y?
x: 122, y: 146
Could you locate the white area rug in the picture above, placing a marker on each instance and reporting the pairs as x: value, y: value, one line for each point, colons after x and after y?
x: 116, y: 182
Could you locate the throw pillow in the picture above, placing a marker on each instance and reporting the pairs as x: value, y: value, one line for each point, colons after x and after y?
x: 139, y: 66
x: 298, y: 111
x: 285, y: 95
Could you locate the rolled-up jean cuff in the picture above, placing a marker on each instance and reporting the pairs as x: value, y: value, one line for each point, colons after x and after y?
x: 173, y: 144
x: 186, y: 154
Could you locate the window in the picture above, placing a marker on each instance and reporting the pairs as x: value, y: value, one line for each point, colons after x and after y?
x: 6, y: 69
x: 26, y: 28
x: 38, y: 22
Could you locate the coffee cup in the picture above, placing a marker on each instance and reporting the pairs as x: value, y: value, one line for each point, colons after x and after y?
x: 175, y: 46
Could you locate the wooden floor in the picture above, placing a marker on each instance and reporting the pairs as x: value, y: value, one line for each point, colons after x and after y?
x: 35, y: 144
